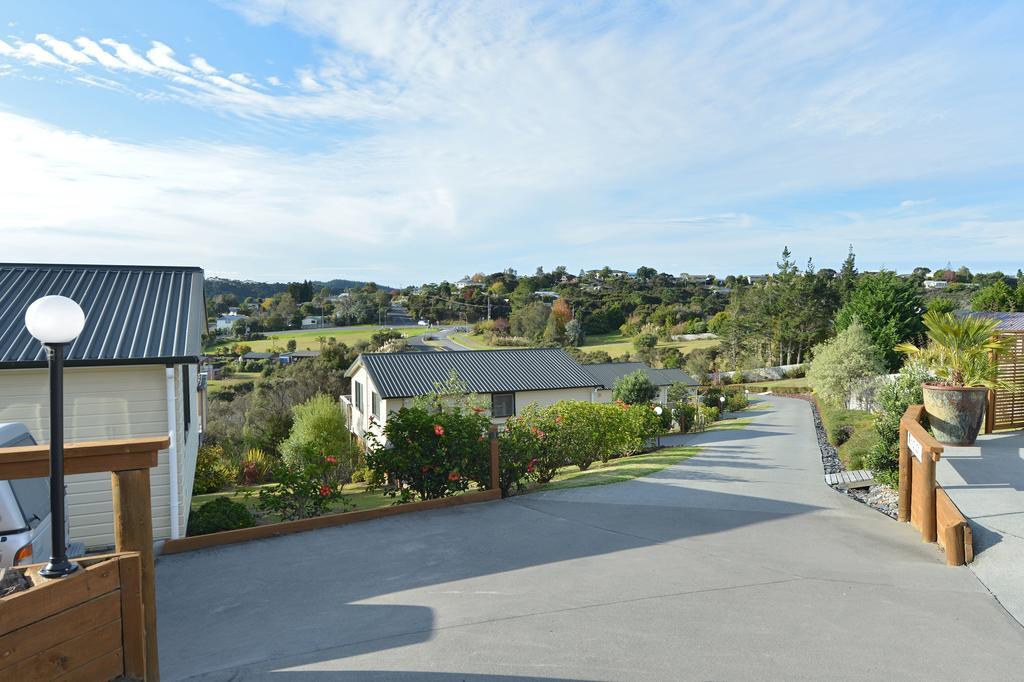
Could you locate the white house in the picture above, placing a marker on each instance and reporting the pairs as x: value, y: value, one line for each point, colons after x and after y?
x: 605, y: 374
x: 132, y: 373
x: 312, y: 321
x: 935, y: 284
x: 508, y: 380
x: 226, y: 321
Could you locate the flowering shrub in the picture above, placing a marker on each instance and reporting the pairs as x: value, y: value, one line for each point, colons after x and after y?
x: 528, y: 447
x: 305, y: 490
x: 426, y: 454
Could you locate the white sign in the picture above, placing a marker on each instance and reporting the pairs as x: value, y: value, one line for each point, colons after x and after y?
x: 914, y: 446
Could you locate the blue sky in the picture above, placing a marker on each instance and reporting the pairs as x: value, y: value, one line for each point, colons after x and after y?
x: 414, y: 141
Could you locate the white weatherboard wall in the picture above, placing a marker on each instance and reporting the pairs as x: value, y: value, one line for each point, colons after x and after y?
x: 606, y: 395
x: 103, y: 403
x: 360, y: 418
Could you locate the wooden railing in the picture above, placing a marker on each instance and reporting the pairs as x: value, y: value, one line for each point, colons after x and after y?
x: 128, y: 461
x: 922, y: 501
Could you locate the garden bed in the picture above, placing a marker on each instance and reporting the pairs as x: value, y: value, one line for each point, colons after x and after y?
x: 882, y: 498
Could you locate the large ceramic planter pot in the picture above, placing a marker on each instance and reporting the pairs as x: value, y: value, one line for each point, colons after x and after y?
x: 955, y: 414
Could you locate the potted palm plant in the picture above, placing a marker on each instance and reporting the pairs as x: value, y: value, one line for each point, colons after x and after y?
x: 960, y: 354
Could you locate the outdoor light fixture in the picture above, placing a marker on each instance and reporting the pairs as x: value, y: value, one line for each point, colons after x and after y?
x: 55, y: 321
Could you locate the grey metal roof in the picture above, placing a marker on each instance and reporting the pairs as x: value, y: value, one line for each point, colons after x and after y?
x: 605, y: 373
x: 1010, y: 322
x: 133, y: 314
x: 403, y: 375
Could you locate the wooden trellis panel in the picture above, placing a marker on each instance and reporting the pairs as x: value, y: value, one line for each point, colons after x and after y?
x: 1006, y: 409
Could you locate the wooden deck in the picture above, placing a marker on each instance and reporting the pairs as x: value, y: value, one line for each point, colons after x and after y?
x: 862, y: 478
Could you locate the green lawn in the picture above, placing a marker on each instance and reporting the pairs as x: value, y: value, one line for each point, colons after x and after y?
x: 307, y: 339
x: 854, y: 451
x: 233, y: 380
x: 616, y: 345
x: 621, y: 469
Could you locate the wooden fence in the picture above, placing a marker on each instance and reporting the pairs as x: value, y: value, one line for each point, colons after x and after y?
x: 922, y: 502
x: 1006, y: 408
x: 99, y: 623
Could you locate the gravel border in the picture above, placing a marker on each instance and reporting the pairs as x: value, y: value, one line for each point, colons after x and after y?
x: 881, y: 498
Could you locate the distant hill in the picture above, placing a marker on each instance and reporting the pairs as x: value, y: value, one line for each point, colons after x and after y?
x: 245, y: 288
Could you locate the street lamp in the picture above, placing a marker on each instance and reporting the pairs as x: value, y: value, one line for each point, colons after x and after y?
x: 55, y: 321
x: 657, y: 437
x: 721, y: 404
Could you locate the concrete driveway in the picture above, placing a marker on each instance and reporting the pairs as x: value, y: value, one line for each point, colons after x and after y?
x: 736, y: 564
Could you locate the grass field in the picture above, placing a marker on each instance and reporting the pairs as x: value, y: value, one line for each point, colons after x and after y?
x: 307, y: 339
x: 616, y: 345
x: 621, y: 469
x: 800, y: 382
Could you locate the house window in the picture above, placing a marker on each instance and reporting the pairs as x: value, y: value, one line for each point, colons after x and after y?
x: 186, y: 397
x: 375, y: 404
x: 358, y: 395
x: 503, y: 404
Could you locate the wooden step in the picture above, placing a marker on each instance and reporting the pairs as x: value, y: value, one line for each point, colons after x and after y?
x: 862, y: 478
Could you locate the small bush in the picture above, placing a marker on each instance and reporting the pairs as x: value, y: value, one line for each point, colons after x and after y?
x: 634, y: 389
x: 304, y: 491
x: 840, y: 434
x: 361, y: 475
x: 319, y: 430
x: 255, y: 466
x: 735, y: 401
x: 219, y: 514
x: 212, y: 472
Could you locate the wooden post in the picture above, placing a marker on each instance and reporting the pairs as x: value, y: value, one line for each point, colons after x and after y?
x: 928, y: 528
x: 906, y: 473
x: 990, y: 412
x: 495, y: 469
x: 133, y: 532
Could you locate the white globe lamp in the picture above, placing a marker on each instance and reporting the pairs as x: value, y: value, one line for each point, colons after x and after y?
x: 56, y: 321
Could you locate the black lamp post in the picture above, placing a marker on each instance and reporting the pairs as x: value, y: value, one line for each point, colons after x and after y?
x: 56, y: 321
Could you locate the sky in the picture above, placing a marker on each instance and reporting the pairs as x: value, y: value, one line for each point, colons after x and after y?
x: 407, y: 142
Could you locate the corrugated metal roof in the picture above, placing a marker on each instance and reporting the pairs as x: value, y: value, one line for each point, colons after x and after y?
x: 403, y: 375
x: 605, y: 373
x: 133, y: 314
x: 1010, y: 322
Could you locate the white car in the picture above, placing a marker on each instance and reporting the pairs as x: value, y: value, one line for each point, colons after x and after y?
x: 25, y: 511
x: 423, y: 323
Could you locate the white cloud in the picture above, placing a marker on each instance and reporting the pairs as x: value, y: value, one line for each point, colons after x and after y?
x: 129, y: 57
x: 203, y: 66
x: 92, y: 49
x: 29, y: 52
x: 163, y: 56
x: 307, y: 82
x: 274, y: 80
x: 63, y: 49
x: 240, y: 78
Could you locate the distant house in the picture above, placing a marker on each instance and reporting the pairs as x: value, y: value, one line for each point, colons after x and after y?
x: 312, y: 321
x: 936, y: 284
x: 720, y: 291
x: 297, y: 355
x: 754, y: 279
x: 227, y: 321
x: 612, y: 274
x: 546, y: 295
x: 253, y: 356
x: 467, y: 282
x: 569, y: 279
x: 696, y: 279
x: 606, y: 373
x: 1008, y: 322
x: 508, y: 380
x: 133, y: 372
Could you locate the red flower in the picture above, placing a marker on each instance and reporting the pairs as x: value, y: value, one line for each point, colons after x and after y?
x: 425, y: 468
x: 478, y: 410
x: 558, y: 419
x: 531, y: 466
x: 438, y: 430
x: 325, y: 490
x: 331, y: 459
x: 453, y: 476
